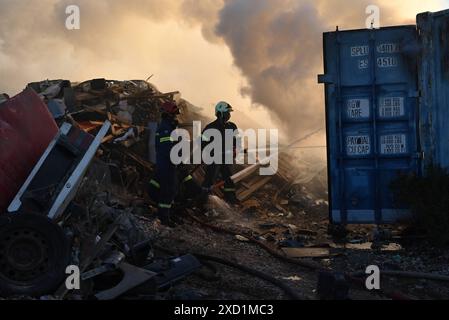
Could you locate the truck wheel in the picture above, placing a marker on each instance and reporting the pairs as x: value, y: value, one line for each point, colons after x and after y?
x: 34, y: 253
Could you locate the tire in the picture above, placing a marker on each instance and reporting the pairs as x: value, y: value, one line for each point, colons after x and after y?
x: 34, y: 254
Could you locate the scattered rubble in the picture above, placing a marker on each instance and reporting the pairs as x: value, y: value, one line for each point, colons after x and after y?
x: 280, y: 230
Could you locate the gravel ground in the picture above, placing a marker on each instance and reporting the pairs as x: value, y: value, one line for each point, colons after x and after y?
x: 398, y: 253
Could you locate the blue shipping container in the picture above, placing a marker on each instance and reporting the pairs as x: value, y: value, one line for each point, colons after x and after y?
x: 371, y: 107
x: 386, y: 103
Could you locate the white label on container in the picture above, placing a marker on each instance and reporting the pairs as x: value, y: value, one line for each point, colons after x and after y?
x: 358, y: 108
x: 359, y: 51
x: 391, y: 107
x: 388, y: 48
x: 363, y: 64
x: 358, y: 145
x: 387, y: 62
x: 393, y: 144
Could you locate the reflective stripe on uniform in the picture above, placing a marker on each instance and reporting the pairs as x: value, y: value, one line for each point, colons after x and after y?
x: 165, y: 139
x: 155, y: 183
x: 165, y: 206
x: 188, y: 178
x: 229, y: 189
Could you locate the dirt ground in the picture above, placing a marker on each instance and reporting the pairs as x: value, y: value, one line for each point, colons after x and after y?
x: 302, y: 226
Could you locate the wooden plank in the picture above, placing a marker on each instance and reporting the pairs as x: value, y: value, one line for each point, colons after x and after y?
x: 246, y: 185
x: 89, y: 126
x: 307, y: 252
x: 245, y: 173
x: 246, y: 194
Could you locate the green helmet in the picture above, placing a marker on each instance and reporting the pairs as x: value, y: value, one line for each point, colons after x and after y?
x: 223, y: 107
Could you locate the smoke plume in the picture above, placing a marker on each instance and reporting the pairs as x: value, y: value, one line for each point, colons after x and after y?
x: 276, y: 44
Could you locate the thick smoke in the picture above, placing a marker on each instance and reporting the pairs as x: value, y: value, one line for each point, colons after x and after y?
x: 276, y: 44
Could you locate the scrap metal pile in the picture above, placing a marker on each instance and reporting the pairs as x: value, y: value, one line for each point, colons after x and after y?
x: 75, y: 200
x: 81, y: 198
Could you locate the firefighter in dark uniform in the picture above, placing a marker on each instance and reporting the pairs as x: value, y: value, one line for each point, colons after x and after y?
x: 223, y: 113
x: 169, y: 178
x: 164, y: 184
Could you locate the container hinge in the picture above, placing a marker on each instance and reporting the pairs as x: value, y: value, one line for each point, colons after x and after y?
x: 325, y: 78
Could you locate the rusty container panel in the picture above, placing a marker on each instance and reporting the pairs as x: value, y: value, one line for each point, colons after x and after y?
x: 26, y: 129
x: 434, y: 86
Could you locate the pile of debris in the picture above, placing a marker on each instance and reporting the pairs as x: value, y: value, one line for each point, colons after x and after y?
x: 74, y: 197
x: 82, y: 195
x: 133, y: 109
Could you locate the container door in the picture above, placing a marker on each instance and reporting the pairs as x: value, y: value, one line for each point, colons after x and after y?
x: 371, y: 112
x: 434, y: 85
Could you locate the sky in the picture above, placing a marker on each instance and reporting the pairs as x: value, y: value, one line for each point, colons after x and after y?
x: 262, y: 56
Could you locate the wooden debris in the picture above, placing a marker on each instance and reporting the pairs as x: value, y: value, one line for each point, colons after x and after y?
x: 245, y: 173
x: 300, y: 253
x: 241, y: 238
x: 245, y: 194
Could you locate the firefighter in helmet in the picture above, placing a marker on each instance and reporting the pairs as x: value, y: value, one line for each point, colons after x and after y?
x: 223, y: 112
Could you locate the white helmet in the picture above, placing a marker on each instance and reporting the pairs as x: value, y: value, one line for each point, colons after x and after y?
x: 223, y: 107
